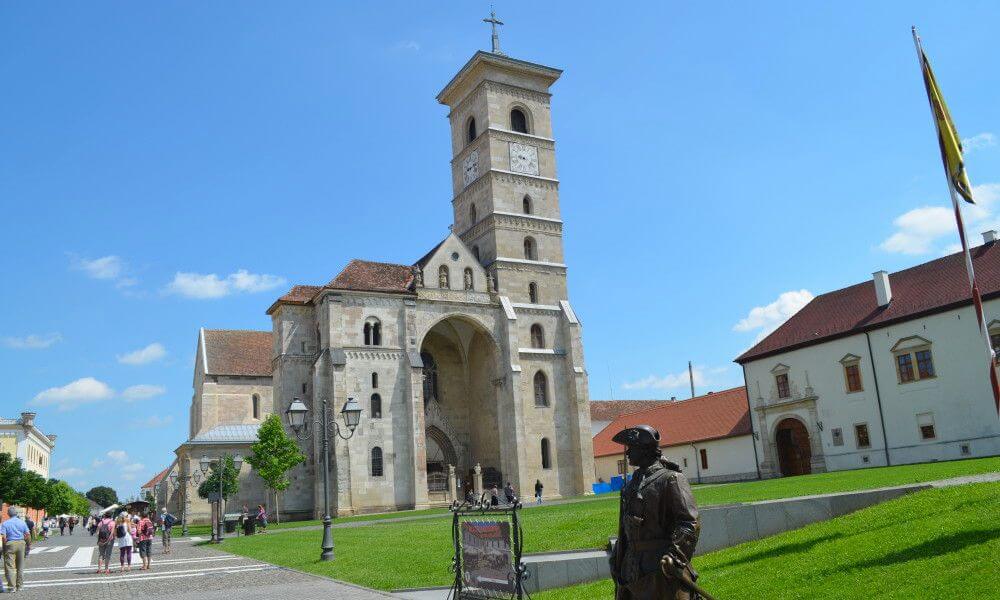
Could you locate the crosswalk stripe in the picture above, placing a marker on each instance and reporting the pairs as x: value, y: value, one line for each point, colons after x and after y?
x: 156, y: 562
x: 47, y: 549
x: 144, y: 577
x: 81, y: 558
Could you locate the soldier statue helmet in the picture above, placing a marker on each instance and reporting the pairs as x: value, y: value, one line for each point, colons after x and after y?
x: 658, y: 524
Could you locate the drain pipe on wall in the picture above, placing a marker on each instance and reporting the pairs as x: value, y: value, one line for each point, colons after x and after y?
x: 878, y: 400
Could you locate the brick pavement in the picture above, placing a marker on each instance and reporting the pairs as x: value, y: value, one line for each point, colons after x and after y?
x: 192, y: 571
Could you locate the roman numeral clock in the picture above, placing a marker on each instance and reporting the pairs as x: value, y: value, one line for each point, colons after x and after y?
x: 523, y: 158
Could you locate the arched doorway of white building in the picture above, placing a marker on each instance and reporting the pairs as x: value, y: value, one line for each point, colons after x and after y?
x: 794, y: 451
x: 459, y: 359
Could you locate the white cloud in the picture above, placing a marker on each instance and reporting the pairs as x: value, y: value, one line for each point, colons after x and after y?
x: 979, y: 141
x: 74, y: 394
x: 407, y: 46
x: 153, y: 422
x: 32, y: 341
x: 769, y: 317
x: 96, y: 463
x: 133, y: 468
x: 119, y: 456
x: 920, y: 231
x: 199, y: 286
x: 150, y: 353
x: 68, y: 472
x: 703, y: 377
x: 143, y: 391
x: 106, y: 267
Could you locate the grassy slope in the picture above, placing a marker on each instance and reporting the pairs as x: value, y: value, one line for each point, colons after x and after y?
x: 417, y: 553
x: 935, y: 544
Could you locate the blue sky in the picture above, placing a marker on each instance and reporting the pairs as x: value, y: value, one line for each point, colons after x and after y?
x: 167, y: 166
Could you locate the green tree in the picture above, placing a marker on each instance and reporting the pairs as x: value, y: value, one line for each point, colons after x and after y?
x: 35, y: 491
x: 230, y: 480
x: 273, y: 455
x: 11, y: 480
x: 103, y: 495
x: 61, y: 498
x: 151, y: 498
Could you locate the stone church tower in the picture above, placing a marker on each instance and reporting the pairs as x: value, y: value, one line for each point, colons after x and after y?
x: 468, y: 362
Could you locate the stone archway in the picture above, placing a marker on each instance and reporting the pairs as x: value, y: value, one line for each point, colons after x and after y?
x: 794, y: 450
x: 461, y: 421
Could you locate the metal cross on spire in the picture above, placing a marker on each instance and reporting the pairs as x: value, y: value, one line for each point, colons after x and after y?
x: 494, y: 21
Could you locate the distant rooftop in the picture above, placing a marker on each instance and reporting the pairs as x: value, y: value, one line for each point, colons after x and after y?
x: 228, y: 433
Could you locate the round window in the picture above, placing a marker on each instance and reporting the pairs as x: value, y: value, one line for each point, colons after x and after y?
x: 454, y: 256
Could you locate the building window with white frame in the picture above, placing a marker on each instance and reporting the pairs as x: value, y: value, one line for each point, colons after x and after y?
x: 925, y: 425
x: 914, y: 360
x: 852, y: 374
x: 861, y: 435
x: 781, y: 381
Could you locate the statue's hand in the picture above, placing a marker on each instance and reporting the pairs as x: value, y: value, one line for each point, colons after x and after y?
x: 673, y: 563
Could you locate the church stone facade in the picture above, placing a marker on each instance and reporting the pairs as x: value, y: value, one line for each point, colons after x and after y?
x: 468, y: 363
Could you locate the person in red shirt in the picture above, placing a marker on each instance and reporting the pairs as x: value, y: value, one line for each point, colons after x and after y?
x: 144, y: 533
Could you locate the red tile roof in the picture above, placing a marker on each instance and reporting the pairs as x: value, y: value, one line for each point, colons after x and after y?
x: 927, y: 288
x: 609, y: 410
x: 238, y: 352
x: 710, y: 417
x: 363, y: 275
x: 156, y: 479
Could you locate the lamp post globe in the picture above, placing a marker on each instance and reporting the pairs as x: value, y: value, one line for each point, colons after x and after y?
x: 351, y: 413
x: 296, y: 414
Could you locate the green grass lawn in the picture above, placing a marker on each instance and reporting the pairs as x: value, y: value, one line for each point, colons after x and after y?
x: 417, y: 553
x: 942, y: 543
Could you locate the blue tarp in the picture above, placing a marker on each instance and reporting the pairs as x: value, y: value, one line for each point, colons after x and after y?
x: 617, y: 483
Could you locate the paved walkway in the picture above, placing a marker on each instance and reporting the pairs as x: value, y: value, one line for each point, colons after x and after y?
x: 64, y: 567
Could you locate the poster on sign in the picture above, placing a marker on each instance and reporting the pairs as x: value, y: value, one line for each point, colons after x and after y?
x: 487, y: 562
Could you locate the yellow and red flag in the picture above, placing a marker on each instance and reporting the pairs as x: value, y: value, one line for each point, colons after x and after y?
x: 948, y: 139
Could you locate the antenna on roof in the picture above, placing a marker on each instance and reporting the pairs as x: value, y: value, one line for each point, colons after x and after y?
x: 611, y: 387
x: 691, y: 377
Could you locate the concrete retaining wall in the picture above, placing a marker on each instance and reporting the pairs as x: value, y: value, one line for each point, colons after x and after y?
x: 721, y: 527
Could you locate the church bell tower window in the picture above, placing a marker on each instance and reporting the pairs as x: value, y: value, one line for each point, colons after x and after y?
x: 526, y: 205
x: 518, y: 121
x: 472, y: 129
x: 529, y: 249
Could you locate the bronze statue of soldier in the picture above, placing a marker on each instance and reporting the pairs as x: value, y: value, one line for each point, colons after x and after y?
x: 657, y: 526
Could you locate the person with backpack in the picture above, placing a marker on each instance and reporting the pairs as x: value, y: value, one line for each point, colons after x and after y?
x: 72, y: 524
x: 145, y: 536
x: 167, y: 522
x: 124, y: 532
x: 105, y: 543
x: 62, y: 525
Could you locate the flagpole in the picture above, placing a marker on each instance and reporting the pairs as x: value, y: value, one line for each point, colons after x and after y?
x: 977, y: 300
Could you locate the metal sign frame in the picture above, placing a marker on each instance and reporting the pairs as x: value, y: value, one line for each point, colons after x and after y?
x: 466, y: 512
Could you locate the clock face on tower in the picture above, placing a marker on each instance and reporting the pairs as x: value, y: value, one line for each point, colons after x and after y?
x: 523, y: 158
x: 470, y: 167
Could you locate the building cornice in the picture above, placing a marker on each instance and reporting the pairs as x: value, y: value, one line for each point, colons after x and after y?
x: 529, y: 181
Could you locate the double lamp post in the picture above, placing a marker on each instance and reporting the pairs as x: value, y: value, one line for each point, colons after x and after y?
x: 296, y: 414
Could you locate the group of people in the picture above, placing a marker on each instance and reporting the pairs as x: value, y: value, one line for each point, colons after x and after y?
x: 508, y: 497
x: 130, y: 533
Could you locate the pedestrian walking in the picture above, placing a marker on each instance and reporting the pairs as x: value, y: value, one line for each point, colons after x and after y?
x: 167, y: 521
x: 508, y: 493
x: 62, y: 525
x: 145, y: 536
x: 538, y: 491
x: 72, y: 524
x: 16, y: 544
x: 262, y: 518
x: 105, y: 543
x: 124, y: 532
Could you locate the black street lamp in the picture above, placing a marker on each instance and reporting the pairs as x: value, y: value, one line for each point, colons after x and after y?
x: 296, y: 415
x: 205, y: 464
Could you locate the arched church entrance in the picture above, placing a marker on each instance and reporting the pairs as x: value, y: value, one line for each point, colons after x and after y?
x: 794, y: 452
x: 460, y: 404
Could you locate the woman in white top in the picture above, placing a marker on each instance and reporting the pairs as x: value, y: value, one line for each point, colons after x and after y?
x: 124, y: 530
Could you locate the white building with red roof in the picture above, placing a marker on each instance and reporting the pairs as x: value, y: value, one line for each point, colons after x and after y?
x: 708, y: 436
x: 886, y: 372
